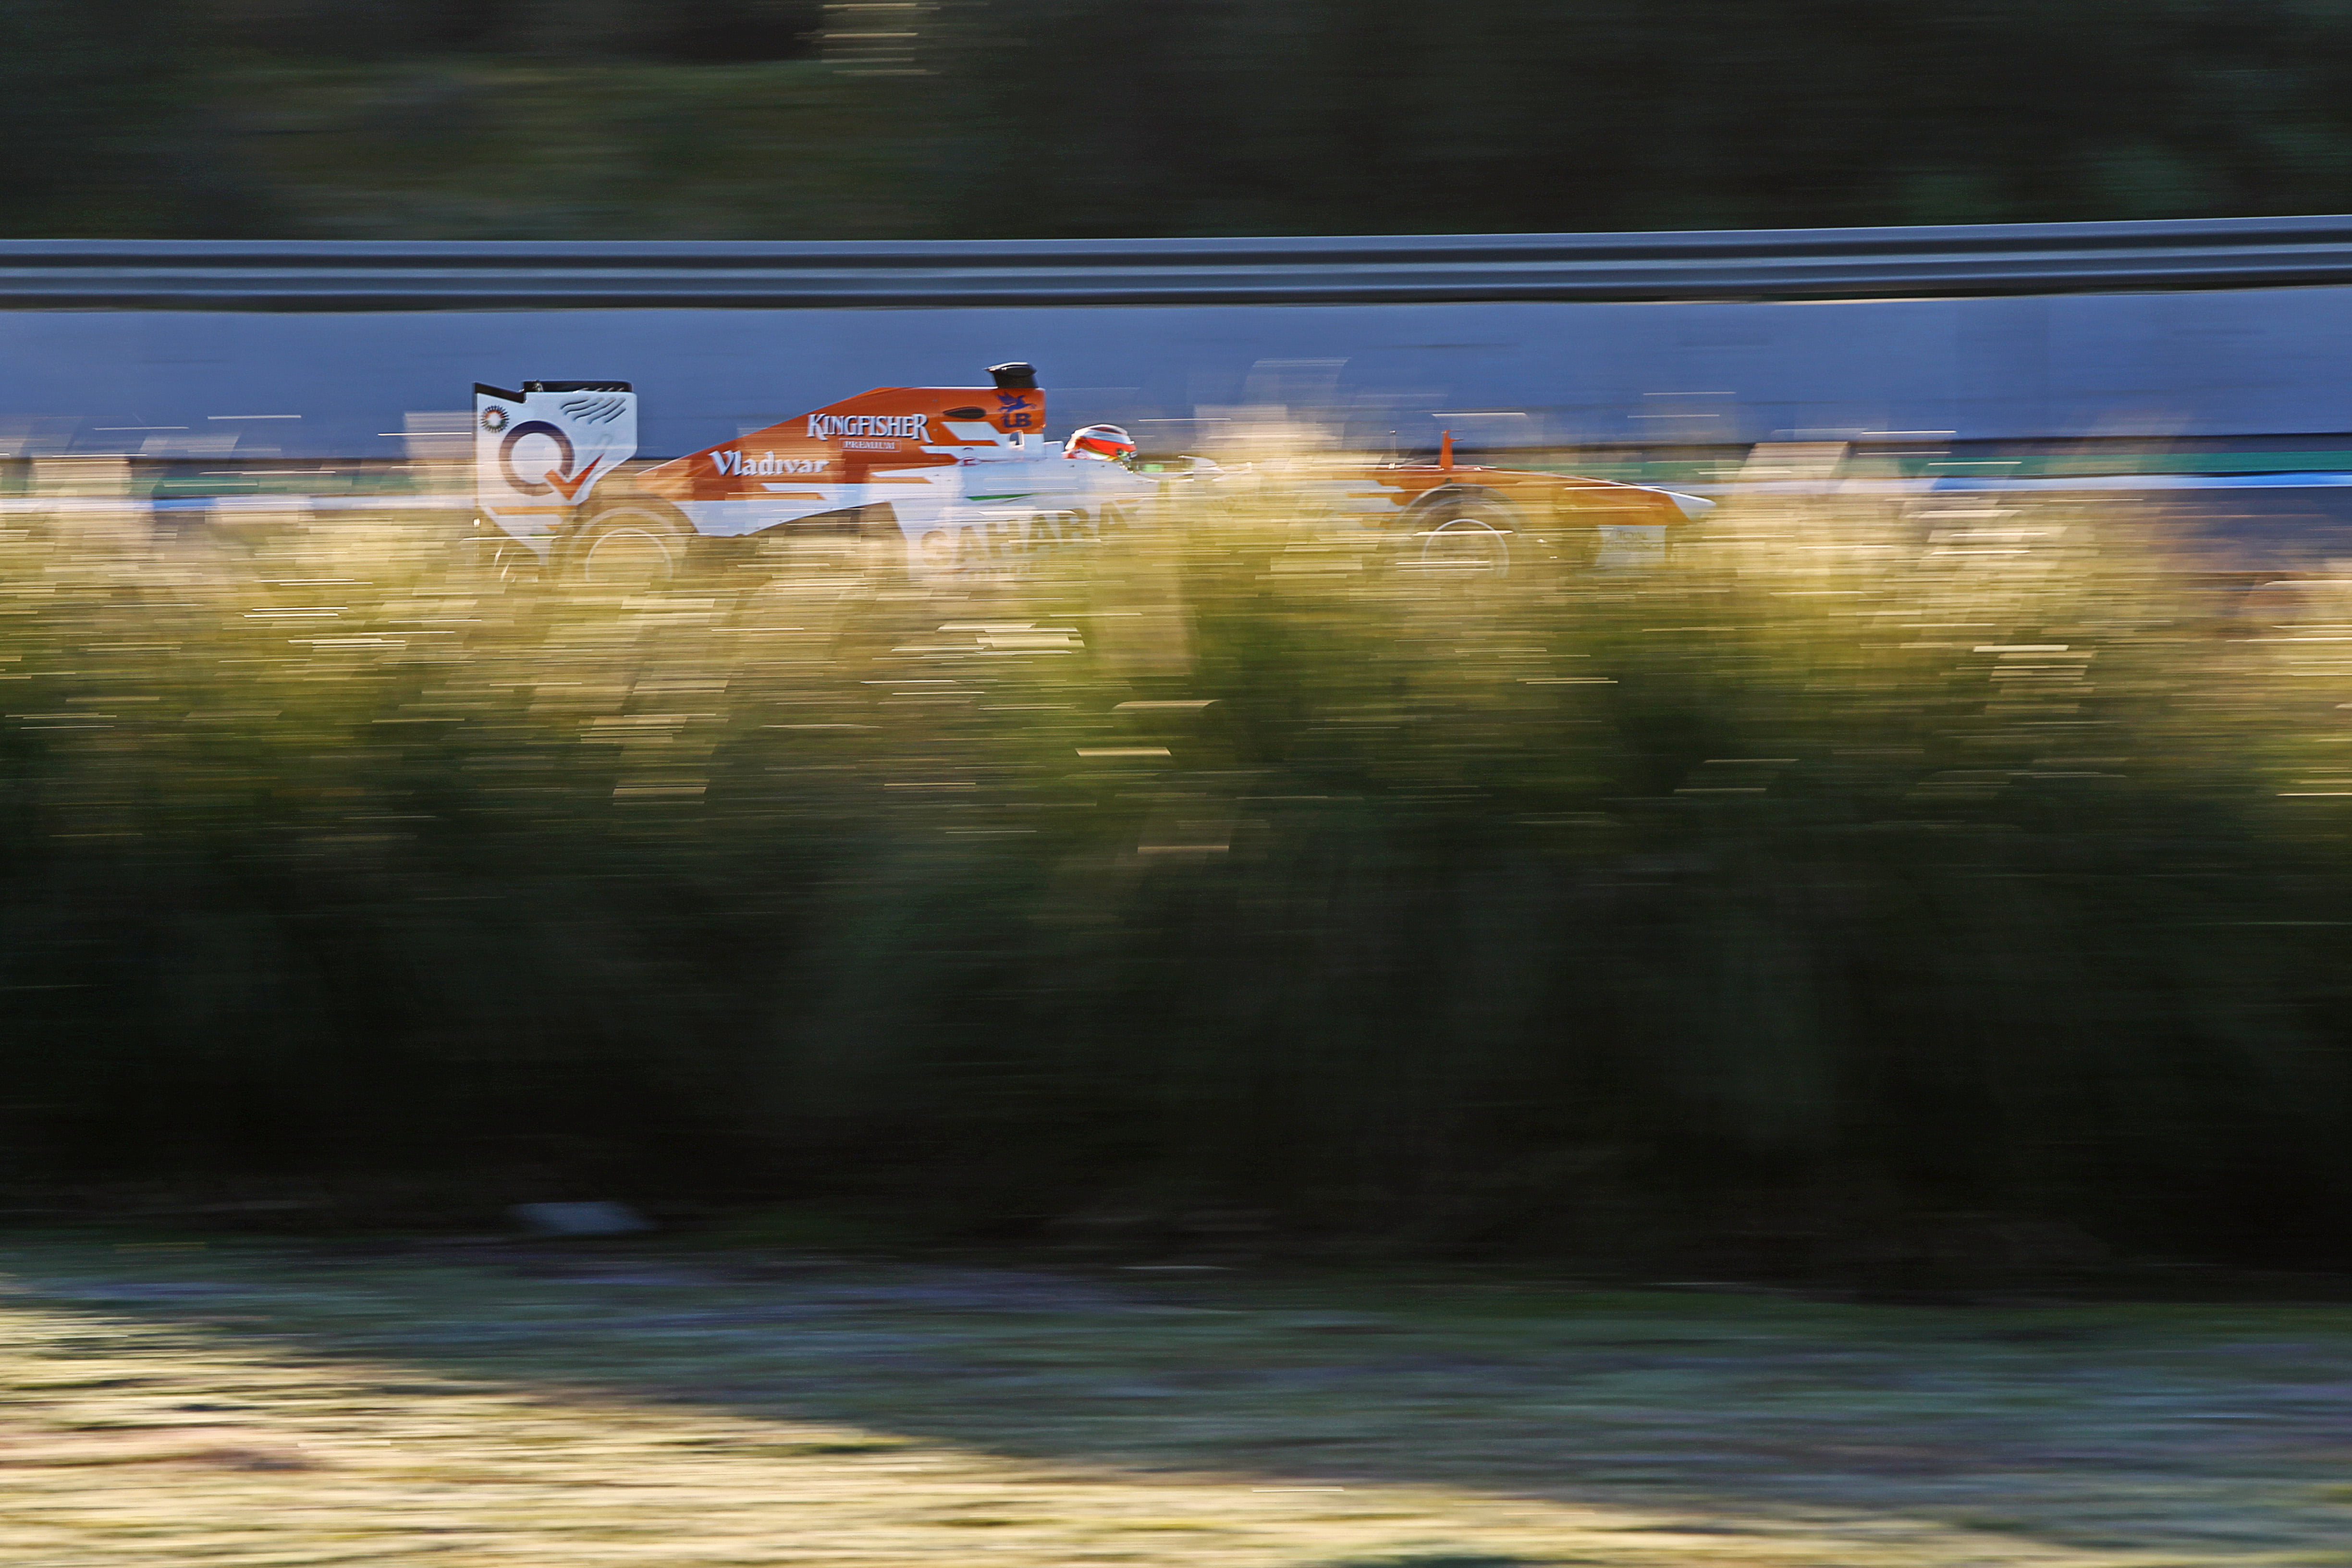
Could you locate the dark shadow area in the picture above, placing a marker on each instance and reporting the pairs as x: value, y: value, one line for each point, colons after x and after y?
x: 1099, y: 118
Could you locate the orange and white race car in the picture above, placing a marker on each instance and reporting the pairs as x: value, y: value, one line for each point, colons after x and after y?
x: 965, y: 480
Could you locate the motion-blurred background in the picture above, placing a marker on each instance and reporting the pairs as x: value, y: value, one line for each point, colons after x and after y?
x: 799, y: 119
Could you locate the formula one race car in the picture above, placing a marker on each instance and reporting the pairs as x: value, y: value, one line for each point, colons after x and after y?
x: 964, y: 478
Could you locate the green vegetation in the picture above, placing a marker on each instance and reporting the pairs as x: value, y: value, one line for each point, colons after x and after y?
x: 1856, y: 896
x: 793, y: 118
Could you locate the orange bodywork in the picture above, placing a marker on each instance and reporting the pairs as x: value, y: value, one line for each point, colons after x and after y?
x: 1567, y: 499
x: 896, y: 428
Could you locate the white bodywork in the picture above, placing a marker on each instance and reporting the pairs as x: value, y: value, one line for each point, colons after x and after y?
x: 1001, y: 498
x: 539, y: 453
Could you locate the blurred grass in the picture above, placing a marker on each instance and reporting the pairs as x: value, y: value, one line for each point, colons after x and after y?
x: 231, y: 1400
x: 1856, y: 894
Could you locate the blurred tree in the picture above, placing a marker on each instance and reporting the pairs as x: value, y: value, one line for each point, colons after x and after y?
x: 686, y: 31
x: 96, y: 133
x: 1107, y: 117
x: 351, y: 30
x: 728, y: 32
x: 1375, y: 115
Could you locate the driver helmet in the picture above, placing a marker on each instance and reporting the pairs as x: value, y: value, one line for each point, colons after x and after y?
x: 1107, y: 442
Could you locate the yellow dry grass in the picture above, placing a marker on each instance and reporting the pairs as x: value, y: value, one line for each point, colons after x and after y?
x: 251, y: 1404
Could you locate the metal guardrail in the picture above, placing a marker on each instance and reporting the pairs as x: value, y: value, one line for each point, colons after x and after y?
x: 1739, y: 264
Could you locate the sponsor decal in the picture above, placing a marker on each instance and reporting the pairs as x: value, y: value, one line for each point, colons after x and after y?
x: 908, y: 427
x: 543, y: 450
x: 1017, y: 410
x: 745, y: 465
x: 594, y: 410
x: 561, y: 479
x: 1006, y: 541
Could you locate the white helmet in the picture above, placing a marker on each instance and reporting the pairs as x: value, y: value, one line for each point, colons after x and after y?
x: 1107, y: 442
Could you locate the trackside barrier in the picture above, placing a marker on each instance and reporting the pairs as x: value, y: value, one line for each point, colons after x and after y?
x: 1706, y: 265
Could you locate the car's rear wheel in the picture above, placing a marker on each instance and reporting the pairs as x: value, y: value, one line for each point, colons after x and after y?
x: 632, y: 544
x: 1465, y: 541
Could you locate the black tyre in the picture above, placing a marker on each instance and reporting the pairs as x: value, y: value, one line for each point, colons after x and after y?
x: 630, y: 544
x: 487, y: 557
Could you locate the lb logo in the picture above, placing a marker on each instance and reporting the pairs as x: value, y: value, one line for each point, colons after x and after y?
x: 494, y: 418
x: 1015, y: 409
x: 559, y: 479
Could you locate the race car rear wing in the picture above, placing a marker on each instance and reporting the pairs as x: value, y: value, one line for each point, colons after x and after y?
x: 541, y: 452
